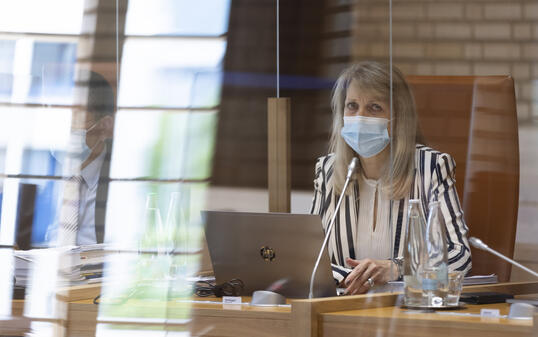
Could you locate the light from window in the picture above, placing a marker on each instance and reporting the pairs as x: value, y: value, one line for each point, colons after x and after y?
x: 38, y: 16
x: 163, y: 72
x: 177, y: 17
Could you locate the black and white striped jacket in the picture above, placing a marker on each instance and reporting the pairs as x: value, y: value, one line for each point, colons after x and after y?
x: 434, y: 175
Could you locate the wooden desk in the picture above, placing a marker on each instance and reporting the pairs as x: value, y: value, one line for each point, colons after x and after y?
x: 244, y: 320
x: 395, y: 321
x: 209, y: 317
x: 312, y: 317
x: 362, y: 315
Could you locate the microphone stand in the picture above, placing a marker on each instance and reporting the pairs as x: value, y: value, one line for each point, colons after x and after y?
x: 477, y: 243
x: 350, y: 170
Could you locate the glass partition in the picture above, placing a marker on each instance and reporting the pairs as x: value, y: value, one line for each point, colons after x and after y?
x: 140, y: 148
x: 109, y: 113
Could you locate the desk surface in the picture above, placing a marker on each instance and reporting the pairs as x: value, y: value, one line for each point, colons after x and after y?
x: 364, y: 315
x: 442, y: 315
x: 395, y: 321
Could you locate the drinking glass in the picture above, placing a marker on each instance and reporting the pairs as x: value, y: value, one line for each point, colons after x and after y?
x: 153, y: 225
x: 177, y: 224
x: 455, y: 282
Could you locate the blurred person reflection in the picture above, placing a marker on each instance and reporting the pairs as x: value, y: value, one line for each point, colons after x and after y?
x: 360, y: 244
x: 88, y: 158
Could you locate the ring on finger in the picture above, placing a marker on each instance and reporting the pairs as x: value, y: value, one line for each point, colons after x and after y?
x: 371, y: 282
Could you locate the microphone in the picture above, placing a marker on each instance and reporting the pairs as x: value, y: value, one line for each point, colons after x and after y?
x: 350, y: 170
x: 477, y: 243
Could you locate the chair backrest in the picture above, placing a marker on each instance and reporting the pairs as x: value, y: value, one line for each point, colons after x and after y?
x: 474, y: 119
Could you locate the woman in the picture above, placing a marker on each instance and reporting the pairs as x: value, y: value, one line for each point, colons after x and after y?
x: 363, y: 247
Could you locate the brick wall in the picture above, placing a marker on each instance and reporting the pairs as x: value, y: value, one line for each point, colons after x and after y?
x: 473, y: 37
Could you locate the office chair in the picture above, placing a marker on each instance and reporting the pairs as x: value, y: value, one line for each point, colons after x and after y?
x: 474, y: 119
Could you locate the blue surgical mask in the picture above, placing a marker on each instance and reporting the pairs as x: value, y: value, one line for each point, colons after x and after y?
x: 367, y: 136
x: 77, y: 150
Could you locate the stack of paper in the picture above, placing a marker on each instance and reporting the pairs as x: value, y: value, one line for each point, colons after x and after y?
x: 480, y: 279
x: 74, y: 265
x: 395, y: 286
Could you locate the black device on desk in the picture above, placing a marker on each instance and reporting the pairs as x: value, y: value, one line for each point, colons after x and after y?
x: 484, y: 297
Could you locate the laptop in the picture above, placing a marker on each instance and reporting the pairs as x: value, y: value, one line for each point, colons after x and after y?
x: 269, y: 251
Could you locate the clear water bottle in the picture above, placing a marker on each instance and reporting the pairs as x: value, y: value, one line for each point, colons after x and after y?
x: 414, y: 255
x: 435, y: 268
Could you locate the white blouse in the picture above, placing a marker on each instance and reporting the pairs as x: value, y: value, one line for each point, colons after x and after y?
x: 373, y: 242
x: 353, y: 235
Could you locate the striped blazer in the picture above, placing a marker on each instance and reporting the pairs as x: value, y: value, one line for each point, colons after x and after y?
x: 434, y: 175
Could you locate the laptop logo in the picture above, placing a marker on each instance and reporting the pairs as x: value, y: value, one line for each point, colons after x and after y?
x: 267, y: 253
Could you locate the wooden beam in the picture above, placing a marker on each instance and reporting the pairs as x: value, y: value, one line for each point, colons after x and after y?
x: 279, y: 154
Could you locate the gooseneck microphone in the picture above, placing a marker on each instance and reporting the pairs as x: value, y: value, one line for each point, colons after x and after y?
x: 350, y: 170
x: 477, y: 243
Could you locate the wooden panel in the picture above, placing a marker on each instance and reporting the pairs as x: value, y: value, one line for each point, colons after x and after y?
x: 238, y: 327
x: 82, y: 319
x: 394, y: 321
x: 304, y: 313
x: 279, y: 154
x: 305, y: 317
x: 221, y: 320
x: 80, y: 292
x: 14, y: 326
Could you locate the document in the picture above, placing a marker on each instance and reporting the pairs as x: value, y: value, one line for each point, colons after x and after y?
x: 75, y: 265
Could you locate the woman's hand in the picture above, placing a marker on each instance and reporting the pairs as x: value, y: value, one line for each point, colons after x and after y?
x: 379, y: 271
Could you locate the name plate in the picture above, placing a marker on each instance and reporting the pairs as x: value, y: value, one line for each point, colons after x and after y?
x: 490, y: 313
x: 231, y: 299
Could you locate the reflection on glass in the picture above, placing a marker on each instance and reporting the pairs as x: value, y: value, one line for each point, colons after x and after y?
x: 150, y: 276
x: 134, y: 194
x: 51, y: 117
x: 177, y: 17
x: 51, y: 16
x: 7, y: 48
x: 172, y: 67
x: 153, y: 229
x: 55, y: 64
x: 168, y: 145
x: 177, y: 221
x: 48, y: 273
x: 6, y: 281
x: 46, y: 329
x: 33, y: 71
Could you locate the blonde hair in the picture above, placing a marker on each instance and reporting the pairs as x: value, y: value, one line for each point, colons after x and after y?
x: 375, y: 78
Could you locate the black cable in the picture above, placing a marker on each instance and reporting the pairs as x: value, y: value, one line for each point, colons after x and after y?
x: 234, y: 287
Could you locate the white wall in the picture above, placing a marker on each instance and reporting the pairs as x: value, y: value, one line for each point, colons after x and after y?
x: 253, y: 199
